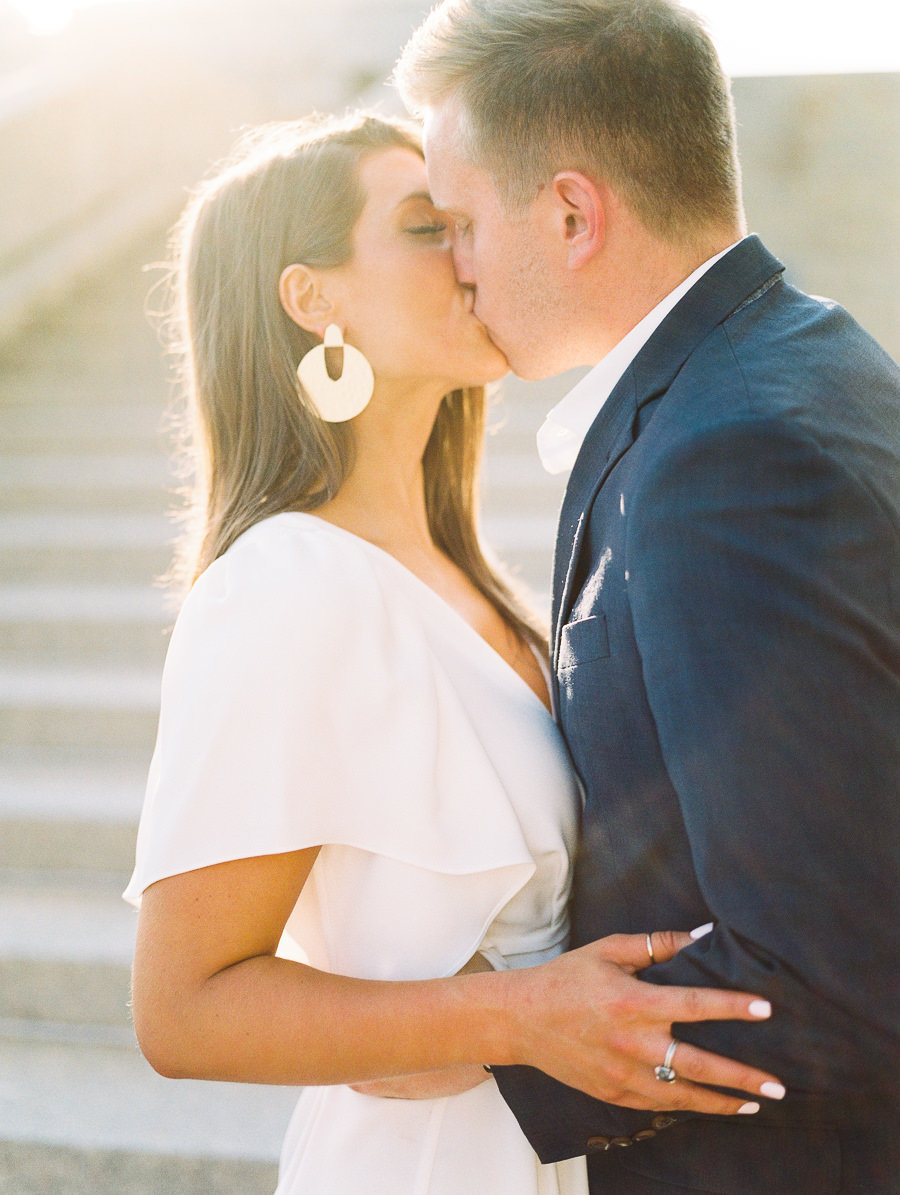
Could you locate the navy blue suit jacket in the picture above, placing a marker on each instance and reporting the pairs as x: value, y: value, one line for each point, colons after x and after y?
x: 726, y: 648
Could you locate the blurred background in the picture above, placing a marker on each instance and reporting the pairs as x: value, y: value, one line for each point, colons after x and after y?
x: 109, y: 112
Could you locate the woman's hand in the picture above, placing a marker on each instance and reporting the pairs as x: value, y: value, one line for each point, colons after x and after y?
x: 586, y: 1020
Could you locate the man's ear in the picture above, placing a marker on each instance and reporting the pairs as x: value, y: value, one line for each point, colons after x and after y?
x: 582, y: 212
x: 302, y: 297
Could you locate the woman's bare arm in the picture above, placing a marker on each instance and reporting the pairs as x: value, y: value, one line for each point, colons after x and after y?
x: 451, y: 1080
x: 212, y: 1001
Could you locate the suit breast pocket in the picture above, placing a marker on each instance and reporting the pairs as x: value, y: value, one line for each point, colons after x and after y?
x: 583, y: 640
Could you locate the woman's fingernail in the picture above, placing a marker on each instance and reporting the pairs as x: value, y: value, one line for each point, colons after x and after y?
x: 748, y: 1109
x: 774, y: 1091
x: 760, y: 1008
x: 702, y: 930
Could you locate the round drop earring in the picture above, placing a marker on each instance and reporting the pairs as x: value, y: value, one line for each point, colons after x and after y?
x: 336, y: 377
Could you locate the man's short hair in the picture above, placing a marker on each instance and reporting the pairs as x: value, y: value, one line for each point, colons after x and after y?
x: 626, y: 91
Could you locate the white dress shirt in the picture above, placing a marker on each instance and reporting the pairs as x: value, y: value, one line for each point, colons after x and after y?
x: 562, y: 433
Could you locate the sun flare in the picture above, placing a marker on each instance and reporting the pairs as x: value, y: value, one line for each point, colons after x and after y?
x: 46, y: 17
x: 770, y: 37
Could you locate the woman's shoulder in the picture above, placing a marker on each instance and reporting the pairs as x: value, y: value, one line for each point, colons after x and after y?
x: 296, y: 553
x: 288, y: 576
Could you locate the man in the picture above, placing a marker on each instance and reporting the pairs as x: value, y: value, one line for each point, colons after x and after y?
x: 726, y: 639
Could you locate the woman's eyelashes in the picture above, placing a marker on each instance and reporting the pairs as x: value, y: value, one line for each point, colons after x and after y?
x: 435, y: 229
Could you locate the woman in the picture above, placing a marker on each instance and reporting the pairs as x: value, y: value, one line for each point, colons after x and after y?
x: 358, y: 790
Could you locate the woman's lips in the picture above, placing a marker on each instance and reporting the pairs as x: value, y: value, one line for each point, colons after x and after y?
x: 469, y: 305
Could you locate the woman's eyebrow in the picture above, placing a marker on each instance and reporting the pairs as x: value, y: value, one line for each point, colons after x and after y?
x: 416, y: 195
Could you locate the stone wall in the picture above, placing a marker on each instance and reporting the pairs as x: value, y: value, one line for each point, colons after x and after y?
x: 103, y: 131
x: 821, y: 167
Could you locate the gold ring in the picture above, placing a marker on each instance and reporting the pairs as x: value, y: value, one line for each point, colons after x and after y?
x: 650, y: 948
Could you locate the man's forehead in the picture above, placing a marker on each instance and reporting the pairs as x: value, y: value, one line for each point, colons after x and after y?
x: 444, y: 121
x: 454, y: 180
x: 438, y: 144
x: 445, y: 131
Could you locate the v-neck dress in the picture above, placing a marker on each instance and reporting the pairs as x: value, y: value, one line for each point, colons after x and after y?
x: 317, y: 693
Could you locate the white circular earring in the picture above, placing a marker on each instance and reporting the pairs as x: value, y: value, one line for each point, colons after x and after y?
x: 337, y: 378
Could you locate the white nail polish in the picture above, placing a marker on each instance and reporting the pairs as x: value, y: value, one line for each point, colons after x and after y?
x: 702, y: 930
x: 748, y: 1109
x: 774, y: 1091
x: 760, y: 1008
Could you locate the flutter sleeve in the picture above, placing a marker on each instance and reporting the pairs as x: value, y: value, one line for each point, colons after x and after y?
x: 302, y: 707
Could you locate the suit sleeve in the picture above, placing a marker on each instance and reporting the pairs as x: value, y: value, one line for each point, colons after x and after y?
x: 763, y: 570
x: 762, y: 586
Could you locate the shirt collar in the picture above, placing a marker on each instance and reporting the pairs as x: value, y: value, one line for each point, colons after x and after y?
x: 562, y: 433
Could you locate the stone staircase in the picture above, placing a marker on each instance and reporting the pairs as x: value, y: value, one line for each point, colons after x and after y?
x: 520, y: 500
x: 83, y: 534
x: 83, y: 478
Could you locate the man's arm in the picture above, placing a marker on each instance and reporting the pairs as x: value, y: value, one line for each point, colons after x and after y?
x: 760, y: 590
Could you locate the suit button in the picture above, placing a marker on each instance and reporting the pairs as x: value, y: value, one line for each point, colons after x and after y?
x: 644, y: 1135
x: 663, y: 1122
x: 621, y: 1142
x: 596, y: 1145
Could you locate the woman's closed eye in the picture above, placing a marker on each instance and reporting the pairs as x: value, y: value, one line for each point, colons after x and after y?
x: 435, y: 229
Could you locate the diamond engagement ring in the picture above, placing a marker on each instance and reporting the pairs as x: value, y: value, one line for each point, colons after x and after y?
x: 665, y: 1072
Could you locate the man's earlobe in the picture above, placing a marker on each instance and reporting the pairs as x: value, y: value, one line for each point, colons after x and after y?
x: 583, y: 217
x: 301, y: 295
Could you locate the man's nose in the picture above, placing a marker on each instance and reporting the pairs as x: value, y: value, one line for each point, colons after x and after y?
x: 462, y: 262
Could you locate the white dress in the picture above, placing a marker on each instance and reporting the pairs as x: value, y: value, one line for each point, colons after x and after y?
x: 318, y: 693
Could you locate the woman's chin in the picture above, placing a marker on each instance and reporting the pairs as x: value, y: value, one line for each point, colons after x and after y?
x: 499, y: 354
x: 489, y: 376
x: 499, y: 367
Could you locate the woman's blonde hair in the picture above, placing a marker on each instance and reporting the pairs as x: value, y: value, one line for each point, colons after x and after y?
x: 250, y: 444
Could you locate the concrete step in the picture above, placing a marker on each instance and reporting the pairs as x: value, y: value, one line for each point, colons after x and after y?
x: 39, y: 1168
x: 66, y: 941
x: 520, y: 499
x: 44, y: 707
x: 70, y: 808
x: 87, y: 548
x: 134, y: 482
x: 517, y: 405
x: 507, y: 437
x: 524, y: 546
x: 95, y: 352
x: 80, y: 624
x: 517, y: 484
x: 82, y: 1115
x: 81, y: 424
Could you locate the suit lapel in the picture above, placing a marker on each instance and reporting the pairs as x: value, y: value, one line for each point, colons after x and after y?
x: 731, y: 282
x: 611, y: 435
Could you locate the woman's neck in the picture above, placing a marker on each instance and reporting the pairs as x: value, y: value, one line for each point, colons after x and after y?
x: 383, y: 502
x: 383, y: 498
